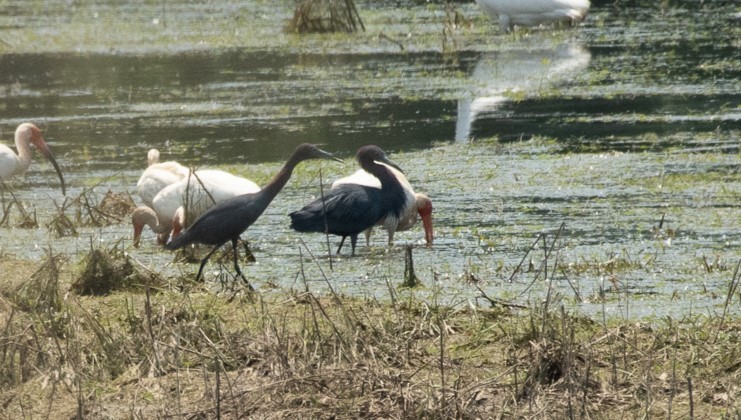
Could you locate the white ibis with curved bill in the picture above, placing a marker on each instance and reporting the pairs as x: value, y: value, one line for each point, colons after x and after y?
x: 350, y: 209
x: 228, y: 220
x: 12, y: 164
x: 416, y: 204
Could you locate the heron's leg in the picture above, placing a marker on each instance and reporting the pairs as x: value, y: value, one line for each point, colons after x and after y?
x: 236, y: 264
x: 368, y: 235
x: 505, y: 24
x: 353, y: 242
x: 249, y: 256
x: 339, y: 248
x: 205, y: 260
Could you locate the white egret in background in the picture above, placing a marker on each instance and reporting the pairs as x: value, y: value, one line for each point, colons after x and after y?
x: 534, y: 12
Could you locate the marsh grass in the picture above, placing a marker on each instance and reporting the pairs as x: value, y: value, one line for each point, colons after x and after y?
x: 61, y: 224
x: 319, y: 16
x: 105, y: 270
x: 113, y: 208
x: 27, y: 219
x: 158, y: 352
x: 116, y: 206
x: 41, y: 291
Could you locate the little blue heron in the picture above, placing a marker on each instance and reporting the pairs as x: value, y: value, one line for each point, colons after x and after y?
x: 227, y: 220
x: 16, y: 164
x: 416, y: 204
x: 350, y: 209
x: 190, y: 196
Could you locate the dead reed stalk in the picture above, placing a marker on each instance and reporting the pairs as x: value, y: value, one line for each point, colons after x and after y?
x: 312, y: 16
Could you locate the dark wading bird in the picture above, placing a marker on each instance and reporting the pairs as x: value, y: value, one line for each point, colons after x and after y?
x: 227, y: 220
x: 16, y: 164
x: 348, y: 209
x: 417, y: 204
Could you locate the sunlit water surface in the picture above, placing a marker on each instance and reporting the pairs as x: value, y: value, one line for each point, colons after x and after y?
x: 606, y: 129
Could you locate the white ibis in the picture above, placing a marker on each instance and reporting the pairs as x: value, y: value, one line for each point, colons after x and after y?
x: 226, y: 221
x: 534, y: 12
x: 12, y: 164
x: 416, y: 204
x: 350, y: 209
x: 153, y: 156
x: 181, y: 202
x: 157, y: 176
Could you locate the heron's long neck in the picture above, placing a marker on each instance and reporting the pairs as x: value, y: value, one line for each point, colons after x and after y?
x: 268, y: 193
x: 154, y: 223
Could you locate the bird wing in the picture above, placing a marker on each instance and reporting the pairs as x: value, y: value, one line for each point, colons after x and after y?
x: 519, y: 7
x: 222, y: 222
x: 347, y: 209
x: 361, y: 177
x: 8, y: 161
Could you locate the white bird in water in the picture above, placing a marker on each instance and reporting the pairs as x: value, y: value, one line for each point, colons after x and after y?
x: 178, y: 204
x: 153, y: 156
x: 157, y: 176
x: 534, y: 12
x: 416, y: 204
x: 12, y: 164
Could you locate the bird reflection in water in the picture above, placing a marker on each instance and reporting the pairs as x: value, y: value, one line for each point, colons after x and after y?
x: 497, y: 76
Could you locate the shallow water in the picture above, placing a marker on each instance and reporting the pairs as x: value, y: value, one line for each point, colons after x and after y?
x: 606, y: 128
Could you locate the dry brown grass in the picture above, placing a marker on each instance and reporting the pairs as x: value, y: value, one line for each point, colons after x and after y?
x: 111, y: 269
x: 286, y: 355
x: 312, y: 16
x: 8, y: 200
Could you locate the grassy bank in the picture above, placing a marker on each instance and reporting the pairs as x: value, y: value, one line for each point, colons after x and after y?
x: 173, y: 349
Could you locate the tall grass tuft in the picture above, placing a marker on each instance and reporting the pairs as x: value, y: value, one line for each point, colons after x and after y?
x: 106, y: 270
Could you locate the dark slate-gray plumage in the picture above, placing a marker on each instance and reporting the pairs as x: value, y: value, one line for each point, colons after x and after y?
x: 226, y: 221
x: 350, y: 209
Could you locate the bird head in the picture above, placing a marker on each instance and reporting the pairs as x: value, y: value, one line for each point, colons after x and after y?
x: 153, y: 156
x: 31, y: 134
x: 309, y: 151
x: 140, y: 217
x: 373, y: 154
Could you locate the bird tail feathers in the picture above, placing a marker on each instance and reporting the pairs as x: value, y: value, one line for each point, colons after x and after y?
x: 307, y: 222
